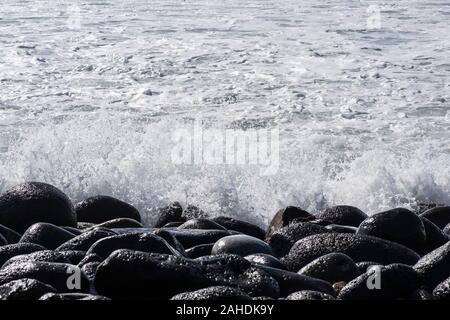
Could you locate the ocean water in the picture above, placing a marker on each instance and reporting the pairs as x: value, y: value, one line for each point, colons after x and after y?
x: 92, y: 92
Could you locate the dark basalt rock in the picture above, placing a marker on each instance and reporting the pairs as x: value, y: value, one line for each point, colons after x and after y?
x: 12, y: 250
x: 47, y: 235
x: 24, y: 289
x: 435, y: 237
x: 145, y: 242
x: 83, y: 226
x: 290, y: 282
x: 100, y: 209
x: 435, y: 266
x: 241, y: 244
x: 74, y: 256
x: 285, y: 217
x: 442, y: 290
x: 32, y: 202
x: 194, y: 212
x: 266, y: 260
x: 440, y: 216
x: 89, y: 269
x: 343, y: 215
x: 90, y: 257
x: 201, y: 223
x: 397, y: 225
x: 221, y: 293
x: 420, y: 294
x: 199, y: 251
x: 174, y: 224
x: 3, y: 240
x: 341, y: 229
x: 332, y: 267
x: 396, y: 280
x: 42, y: 256
x: 171, y: 240
x: 169, y: 214
x: 71, y: 297
x: 54, y: 274
x: 364, y: 266
x: 447, y: 230
x: 73, y: 230
x: 85, y: 240
x: 119, y: 223
x: 129, y: 274
x: 309, y: 295
x: 284, y: 238
x: 358, y: 247
x: 240, y: 226
x: 192, y: 237
x: 10, y: 235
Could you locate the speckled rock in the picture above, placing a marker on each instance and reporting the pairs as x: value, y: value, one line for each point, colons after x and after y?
x: 241, y: 244
x: 435, y: 266
x: 47, y: 235
x: 442, y: 290
x: 309, y: 295
x: 363, y: 266
x: 201, y: 223
x: 169, y: 214
x: 447, y: 230
x: 193, y: 237
x: 332, y: 267
x: 285, y: 217
x: 341, y: 229
x: 343, y: 215
x: 12, y: 250
x: 193, y: 212
x: 240, y: 226
x: 89, y: 269
x: 100, y: 209
x: 24, y: 289
x: 440, y: 216
x: 85, y: 240
x: 43, y: 256
x: 9, y: 234
x: 71, y: 297
x: 266, y: 260
x: 221, y: 293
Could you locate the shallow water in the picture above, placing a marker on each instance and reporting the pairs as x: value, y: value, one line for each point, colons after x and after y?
x: 91, y: 93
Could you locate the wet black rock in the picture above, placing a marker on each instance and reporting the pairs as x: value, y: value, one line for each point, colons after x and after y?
x: 341, y: 229
x: 90, y: 257
x: 266, y: 260
x: 435, y: 237
x: 199, y: 251
x: 363, y: 266
x: 285, y: 217
x: 399, y: 225
x: 47, y: 235
x: 89, y: 269
x: 24, y: 289
x: 284, y: 238
x: 358, y: 247
x: 309, y: 295
x: 171, y: 213
x: 85, y: 240
x: 241, y: 244
x: 73, y: 230
x: 171, y: 240
x: 12, y: 250
x: 343, y: 215
x: 221, y: 293
x: 193, y: 212
x: 201, y: 223
x: 82, y: 226
x: 440, y: 216
x: 447, y: 230
x: 74, y: 256
x: 442, y: 290
x: 32, y: 202
x: 332, y: 267
x: 420, y: 294
x: 193, y: 237
x: 435, y: 266
x: 100, y: 209
x: 119, y: 223
x: 71, y: 297
x: 174, y: 224
x: 3, y: 240
x: 383, y: 282
x: 240, y: 226
x: 42, y: 256
x: 10, y: 235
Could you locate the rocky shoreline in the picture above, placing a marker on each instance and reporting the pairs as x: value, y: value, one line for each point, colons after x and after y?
x: 98, y: 249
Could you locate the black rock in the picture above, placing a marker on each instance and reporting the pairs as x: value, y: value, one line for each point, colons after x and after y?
x: 193, y: 237
x: 435, y: 266
x: 100, y: 209
x: 55, y: 274
x: 193, y: 212
x: 85, y: 240
x: 201, y: 223
x: 10, y: 235
x: 3, y: 240
x: 266, y: 260
x: 171, y: 240
x: 74, y: 256
x: 364, y: 266
x: 241, y: 244
x: 32, y: 202
x: 395, y: 280
x: 284, y: 238
x: 240, y: 226
x: 83, y: 226
x: 442, y: 290
x: 89, y: 258
x: 221, y: 293
x: 73, y: 230
x: 71, y: 297
x: 24, y: 289
x: 42, y: 256
x: 398, y: 225
x: 199, y: 251
x: 332, y: 267
x: 119, y: 223
x: 358, y: 247
x: 287, y: 216
x: 435, y: 237
x: 47, y: 235
x: 447, y: 230
x: 440, y: 216
x: 171, y: 213
x: 341, y: 229
x: 174, y: 224
x: 343, y: 215
x: 12, y: 250
x: 421, y: 295
x: 309, y: 295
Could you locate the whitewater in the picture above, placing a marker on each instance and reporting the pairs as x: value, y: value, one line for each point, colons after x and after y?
x: 91, y: 93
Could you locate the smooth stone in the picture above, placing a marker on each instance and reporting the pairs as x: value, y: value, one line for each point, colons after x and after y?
x: 119, y: 223
x: 398, y: 225
x: 343, y: 215
x: 309, y: 295
x: 12, y: 250
x: 169, y: 214
x: 440, y: 216
x: 193, y: 237
x: 364, y: 266
x: 199, y: 251
x: 174, y: 224
x: 10, y: 235
x: 71, y: 297
x: 24, y: 289
x: 127, y: 274
x: 284, y: 238
x: 32, y: 202
x: 85, y: 240
x: 240, y: 226
x: 221, y: 293
x: 266, y: 260
x: 341, y: 229
x: 171, y: 240
x: 435, y: 237
x: 100, y: 209
x: 89, y: 258
x: 145, y: 242
x: 435, y: 266
x: 447, y: 230
x: 442, y: 290
x: 73, y: 230
x: 358, y: 247
x: 285, y: 217
x: 201, y: 223
x: 54, y: 274
x: 241, y: 244
x: 3, y: 240
x: 47, y: 235
x: 332, y: 267
x: 193, y: 212
x: 396, y: 280
x: 42, y: 256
